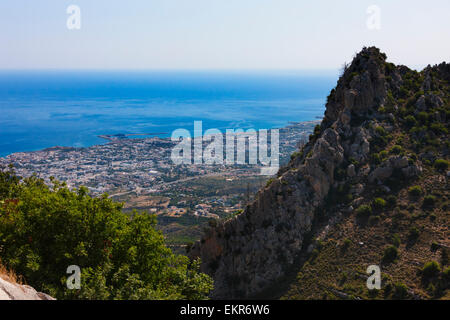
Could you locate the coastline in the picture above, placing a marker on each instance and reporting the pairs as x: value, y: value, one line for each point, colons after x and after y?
x: 136, y: 165
x: 107, y: 138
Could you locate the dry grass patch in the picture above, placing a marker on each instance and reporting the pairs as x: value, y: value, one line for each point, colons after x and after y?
x: 9, y: 275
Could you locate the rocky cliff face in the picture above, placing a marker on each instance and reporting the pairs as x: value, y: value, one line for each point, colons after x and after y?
x: 249, y: 253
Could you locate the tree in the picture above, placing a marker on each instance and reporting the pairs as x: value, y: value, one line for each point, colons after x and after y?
x: 45, y: 229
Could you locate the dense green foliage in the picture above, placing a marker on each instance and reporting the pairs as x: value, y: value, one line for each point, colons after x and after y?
x: 43, y: 230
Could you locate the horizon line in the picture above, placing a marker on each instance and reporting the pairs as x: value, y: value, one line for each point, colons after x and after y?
x: 178, y: 70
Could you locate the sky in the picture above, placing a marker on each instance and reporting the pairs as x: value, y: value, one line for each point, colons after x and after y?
x: 220, y: 34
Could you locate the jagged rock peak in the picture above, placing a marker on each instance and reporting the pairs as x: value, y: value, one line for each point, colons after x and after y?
x: 360, y: 88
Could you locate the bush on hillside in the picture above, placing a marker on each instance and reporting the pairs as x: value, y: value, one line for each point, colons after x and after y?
x: 43, y: 230
x: 379, y: 204
x: 413, y: 234
x: 415, y: 191
x: 364, y: 211
x: 390, y: 254
x: 441, y: 164
x: 400, y: 291
x: 429, y: 201
x: 431, y: 269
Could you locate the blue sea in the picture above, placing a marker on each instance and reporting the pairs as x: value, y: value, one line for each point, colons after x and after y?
x: 41, y: 109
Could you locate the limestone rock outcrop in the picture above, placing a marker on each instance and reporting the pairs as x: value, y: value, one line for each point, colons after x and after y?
x: 14, y: 291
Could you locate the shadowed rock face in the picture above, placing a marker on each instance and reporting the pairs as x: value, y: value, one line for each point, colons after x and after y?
x: 251, y: 252
x: 12, y: 291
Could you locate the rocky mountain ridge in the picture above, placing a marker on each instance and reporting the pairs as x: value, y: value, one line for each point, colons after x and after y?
x: 331, y: 176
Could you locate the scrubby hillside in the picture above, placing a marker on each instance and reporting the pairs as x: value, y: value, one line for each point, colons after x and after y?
x: 370, y: 188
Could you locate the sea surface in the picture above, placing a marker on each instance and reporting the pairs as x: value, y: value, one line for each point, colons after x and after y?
x: 41, y: 109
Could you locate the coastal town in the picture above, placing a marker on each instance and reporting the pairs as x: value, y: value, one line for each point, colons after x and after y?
x: 140, y: 172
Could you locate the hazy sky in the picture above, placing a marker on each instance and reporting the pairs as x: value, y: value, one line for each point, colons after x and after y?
x: 219, y: 34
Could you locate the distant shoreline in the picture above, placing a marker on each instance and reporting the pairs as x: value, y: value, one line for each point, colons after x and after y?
x: 118, y: 137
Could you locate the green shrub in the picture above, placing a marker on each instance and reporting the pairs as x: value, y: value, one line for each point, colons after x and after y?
x: 296, y: 154
x: 391, y: 200
x: 403, y: 92
x: 438, y: 128
x: 410, y: 121
x: 400, y: 291
x: 353, y: 161
x: 314, y: 254
x: 434, y: 246
x: 121, y: 257
x: 364, y: 211
x: 414, y: 233
x: 347, y: 243
x: 446, y: 275
x: 423, y: 117
x: 396, y: 149
x: 339, y: 173
x: 383, y: 154
x: 415, y: 191
x: 388, y: 289
x: 376, y: 158
x: 396, y: 240
x: 441, y: 164
x: 390, y: 254
x: 430, y: 269
x: 379, y: 204
x: 269, y: 182
x: 380, y: 130
x: 317, y: 130
x: 444, y: 256
x: 429, y: 201
x: 431, y: 289
x: 374, y: 220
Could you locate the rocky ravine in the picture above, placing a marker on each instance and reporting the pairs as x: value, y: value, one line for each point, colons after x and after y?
x: 248, y: 254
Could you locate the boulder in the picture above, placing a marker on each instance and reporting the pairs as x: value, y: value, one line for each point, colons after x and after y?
x: 412, y: 171
x: 420, y: 104
x: 398, y: 162
x: 357, y: 189
x: 14, y: 291
x: 351, y: 172
x: 380, y: 174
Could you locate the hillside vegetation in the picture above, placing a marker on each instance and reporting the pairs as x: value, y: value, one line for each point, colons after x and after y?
x: 44, y: 230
